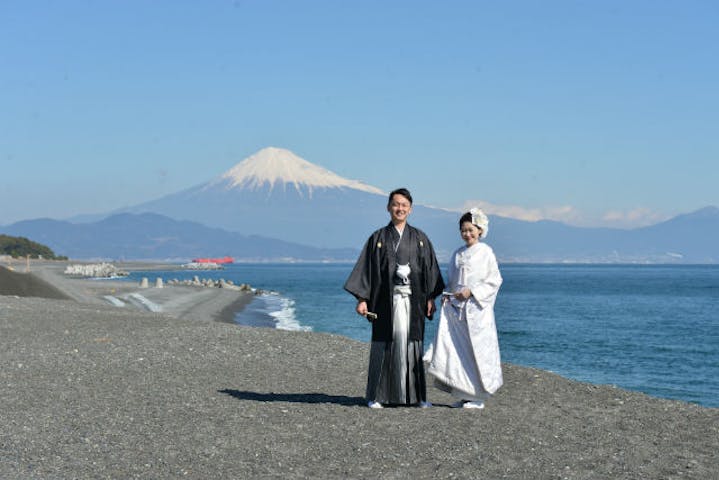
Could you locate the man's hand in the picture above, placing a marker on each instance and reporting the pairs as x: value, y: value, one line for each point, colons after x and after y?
x: 430, y: 308
x: 361, y: 307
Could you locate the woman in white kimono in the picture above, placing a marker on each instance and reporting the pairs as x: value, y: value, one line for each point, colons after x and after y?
x: 464, y: 358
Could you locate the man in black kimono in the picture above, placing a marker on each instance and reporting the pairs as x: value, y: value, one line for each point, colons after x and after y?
x: 395, y: 281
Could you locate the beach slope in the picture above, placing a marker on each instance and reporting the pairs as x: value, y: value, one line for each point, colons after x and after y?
x: 47, y: 280
x: 93, y: 391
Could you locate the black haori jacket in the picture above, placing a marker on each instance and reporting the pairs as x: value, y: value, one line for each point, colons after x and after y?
x: 372, y: 279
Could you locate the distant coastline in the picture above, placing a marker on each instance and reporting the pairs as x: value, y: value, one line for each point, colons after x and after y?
x: 135, y: 235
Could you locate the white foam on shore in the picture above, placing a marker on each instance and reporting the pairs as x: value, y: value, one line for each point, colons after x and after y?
x: 282, y: 310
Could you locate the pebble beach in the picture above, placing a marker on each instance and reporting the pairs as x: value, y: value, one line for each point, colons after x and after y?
x: 91, y: 390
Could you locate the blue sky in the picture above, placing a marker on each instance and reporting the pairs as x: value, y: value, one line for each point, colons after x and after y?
x: 593, y: 113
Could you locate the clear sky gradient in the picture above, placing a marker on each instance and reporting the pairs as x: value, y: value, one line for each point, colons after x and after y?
x: 593, y: 113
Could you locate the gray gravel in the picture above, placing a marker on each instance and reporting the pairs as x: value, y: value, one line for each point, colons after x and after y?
x: 88, y: 391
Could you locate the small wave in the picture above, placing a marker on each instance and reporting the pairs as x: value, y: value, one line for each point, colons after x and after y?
x: 514, y: 333
x: 284, y: 314
x: 271, y: 309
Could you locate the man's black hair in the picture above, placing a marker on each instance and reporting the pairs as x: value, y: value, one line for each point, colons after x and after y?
x: 400, y: 191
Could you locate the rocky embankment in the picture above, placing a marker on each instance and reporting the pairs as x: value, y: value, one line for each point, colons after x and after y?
x: 212, y: 283
x: 94, y: 270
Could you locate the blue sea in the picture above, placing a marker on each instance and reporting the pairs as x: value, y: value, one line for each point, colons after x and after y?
x: 650, y: 328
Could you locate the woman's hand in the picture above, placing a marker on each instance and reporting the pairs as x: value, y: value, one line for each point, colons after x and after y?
x: 463, y: 294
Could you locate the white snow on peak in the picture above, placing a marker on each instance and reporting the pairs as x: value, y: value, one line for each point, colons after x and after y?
x: 275, y: 166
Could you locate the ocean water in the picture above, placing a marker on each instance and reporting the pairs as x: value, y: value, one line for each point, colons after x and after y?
x: 649, y: 328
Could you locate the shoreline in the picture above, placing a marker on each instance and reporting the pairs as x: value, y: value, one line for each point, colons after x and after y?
x: 202, y: 304
x: 92, y: 392
x: 231, y: 310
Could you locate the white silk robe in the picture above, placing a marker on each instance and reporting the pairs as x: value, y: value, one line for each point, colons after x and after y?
x: 464, y: 358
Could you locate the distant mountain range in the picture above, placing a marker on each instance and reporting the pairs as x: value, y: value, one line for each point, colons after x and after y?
x: 152, y: 236
x: 689, y: 238
x: 276, y: 205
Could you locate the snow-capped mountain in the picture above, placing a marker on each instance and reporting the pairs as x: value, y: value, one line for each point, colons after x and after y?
x: 275, y: 193
x: 272, y: 167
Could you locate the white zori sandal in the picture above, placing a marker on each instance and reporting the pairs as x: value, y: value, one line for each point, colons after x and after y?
x: 467, y: 404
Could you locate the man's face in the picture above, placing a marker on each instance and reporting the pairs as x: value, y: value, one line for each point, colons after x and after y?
x: 399, y: 208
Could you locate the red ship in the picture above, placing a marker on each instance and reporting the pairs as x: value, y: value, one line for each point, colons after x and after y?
x: 214, y: 260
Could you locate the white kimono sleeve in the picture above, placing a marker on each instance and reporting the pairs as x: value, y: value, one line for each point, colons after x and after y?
x: 486, y: 279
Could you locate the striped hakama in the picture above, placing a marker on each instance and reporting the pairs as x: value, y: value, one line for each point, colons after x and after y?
x: 396, y: 371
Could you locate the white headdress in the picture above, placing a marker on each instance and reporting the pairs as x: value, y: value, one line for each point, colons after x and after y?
x: 480, y: 220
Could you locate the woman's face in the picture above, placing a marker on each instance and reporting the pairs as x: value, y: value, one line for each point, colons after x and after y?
x: 470, y: 233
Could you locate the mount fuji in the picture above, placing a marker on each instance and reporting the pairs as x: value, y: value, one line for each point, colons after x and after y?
x: 275, y: 193
x: 276, y: 166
